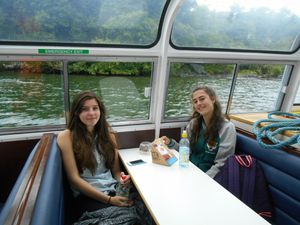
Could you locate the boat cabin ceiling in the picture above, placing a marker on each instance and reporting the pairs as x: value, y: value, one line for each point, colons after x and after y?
x: 143, y: 58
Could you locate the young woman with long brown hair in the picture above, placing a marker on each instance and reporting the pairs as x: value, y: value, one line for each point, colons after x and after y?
x: 212, y: 137
x: 90, y: 156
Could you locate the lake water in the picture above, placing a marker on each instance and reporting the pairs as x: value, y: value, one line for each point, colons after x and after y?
x: 31, y: 99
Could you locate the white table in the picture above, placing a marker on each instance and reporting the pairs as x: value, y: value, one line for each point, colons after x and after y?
x: 185, y: 196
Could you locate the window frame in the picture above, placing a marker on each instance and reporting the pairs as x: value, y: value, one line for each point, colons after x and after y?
x: 65, y: 85
x: 237, y: 63
x: 91, y: 45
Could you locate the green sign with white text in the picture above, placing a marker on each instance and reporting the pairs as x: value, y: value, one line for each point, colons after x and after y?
x: 64, y: 51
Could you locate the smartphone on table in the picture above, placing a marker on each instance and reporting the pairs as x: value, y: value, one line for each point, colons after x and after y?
x: 135, y: 162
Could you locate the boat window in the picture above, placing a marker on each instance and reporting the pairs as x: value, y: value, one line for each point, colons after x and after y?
x: 94, y: 22
x: 124, y: 87
x: 184, y: 77
x: 257, y: 87
x: 237, y: 25
x: 31, y: 94
x: 297, y: 99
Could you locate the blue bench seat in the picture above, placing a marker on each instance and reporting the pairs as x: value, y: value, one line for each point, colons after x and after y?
x: 282, y: 171
x: 40, y: 186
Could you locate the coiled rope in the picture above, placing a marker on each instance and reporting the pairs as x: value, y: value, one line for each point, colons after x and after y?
x: 273, y: 127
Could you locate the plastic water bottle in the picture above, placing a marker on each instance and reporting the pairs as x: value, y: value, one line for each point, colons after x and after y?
x: 122, y: 190
x: 184, y: 150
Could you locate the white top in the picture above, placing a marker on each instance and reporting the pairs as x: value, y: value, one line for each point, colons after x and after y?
x: 176, y: 195
x: 102, y: 180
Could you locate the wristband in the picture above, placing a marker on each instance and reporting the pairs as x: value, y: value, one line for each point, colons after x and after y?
x: 108, y: 201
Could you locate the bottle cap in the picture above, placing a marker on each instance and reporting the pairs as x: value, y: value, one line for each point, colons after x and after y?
x: 184, y: 134
x: 123, y: 176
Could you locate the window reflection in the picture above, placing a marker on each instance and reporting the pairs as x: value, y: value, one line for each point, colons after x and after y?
x: 121, y: 85
x: 114, y: 22
x: 297, y: 99
x: 243, y: 25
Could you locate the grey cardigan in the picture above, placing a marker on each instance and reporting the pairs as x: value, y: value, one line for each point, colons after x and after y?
x: 227, y: 136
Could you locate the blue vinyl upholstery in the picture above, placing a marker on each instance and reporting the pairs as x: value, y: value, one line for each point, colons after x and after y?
x: 282, y: 171
x: 49, y: 208
x: 49, y: 205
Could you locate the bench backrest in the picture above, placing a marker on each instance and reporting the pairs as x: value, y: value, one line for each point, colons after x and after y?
x: 38, y: 194
x: 282, y: 171
x: 49, y: 207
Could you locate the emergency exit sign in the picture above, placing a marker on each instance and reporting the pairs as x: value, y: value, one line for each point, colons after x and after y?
x: 64, y: 51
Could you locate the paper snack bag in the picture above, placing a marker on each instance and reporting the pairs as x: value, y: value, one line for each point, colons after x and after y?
x: 161, y: 154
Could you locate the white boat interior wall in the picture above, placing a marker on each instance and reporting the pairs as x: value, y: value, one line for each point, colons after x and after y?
x: 251, y: 80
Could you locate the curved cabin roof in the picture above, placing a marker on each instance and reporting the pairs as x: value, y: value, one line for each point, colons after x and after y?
x: 144, y: 58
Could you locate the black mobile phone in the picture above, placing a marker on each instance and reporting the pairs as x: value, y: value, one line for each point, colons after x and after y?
x: 136, y: 162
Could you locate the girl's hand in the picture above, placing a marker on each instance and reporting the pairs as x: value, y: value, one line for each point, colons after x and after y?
x: 125, y: 179
x: 121, y: 201
x: 166, y: 140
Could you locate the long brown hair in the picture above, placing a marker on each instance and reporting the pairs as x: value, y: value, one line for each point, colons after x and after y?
x: 83, y: 141
x: 212, y: 130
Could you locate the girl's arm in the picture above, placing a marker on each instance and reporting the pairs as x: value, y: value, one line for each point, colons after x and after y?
x: 226, y: 148
x: 116, y: 170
